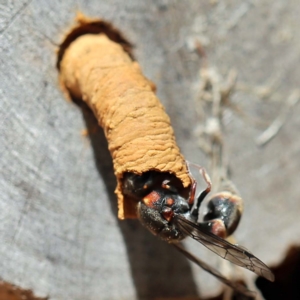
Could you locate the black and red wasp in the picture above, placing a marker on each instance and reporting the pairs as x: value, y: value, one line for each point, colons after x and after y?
x: 172, y: 213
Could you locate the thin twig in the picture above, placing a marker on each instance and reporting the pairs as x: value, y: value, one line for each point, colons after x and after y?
x: 278, y: 123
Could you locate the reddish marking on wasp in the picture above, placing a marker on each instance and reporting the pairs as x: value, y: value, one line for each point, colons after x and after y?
x: 170, y: 201
x: 218, y: 228
x: 168, y: 213
x: 151, y: 198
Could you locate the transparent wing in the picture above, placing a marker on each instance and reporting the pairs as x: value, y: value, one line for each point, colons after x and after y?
x: 236, y: 286
x: 221, y: 247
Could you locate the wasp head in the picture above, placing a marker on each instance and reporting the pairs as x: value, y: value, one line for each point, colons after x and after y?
x: 160, y: 197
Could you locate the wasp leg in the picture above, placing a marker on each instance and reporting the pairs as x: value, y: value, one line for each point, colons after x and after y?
x: 224, y: 213
x: 200, y: 198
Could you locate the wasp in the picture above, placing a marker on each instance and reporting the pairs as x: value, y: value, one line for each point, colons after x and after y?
x: 172, y: 213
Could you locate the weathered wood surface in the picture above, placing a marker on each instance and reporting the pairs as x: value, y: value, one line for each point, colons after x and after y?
x: 59, y: 232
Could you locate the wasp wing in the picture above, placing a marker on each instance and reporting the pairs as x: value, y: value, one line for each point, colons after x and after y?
x: 236, y: 286
x: 221, y: 247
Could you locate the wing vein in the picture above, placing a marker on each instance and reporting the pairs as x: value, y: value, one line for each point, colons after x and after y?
x: 224, y: 249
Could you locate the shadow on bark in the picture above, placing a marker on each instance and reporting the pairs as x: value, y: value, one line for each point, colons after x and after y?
x: 287, y: 278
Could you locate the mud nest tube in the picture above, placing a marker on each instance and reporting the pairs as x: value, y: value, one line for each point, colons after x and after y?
x: 96, y: 65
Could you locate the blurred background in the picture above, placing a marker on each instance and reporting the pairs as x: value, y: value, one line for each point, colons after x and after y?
x: 60, y: 236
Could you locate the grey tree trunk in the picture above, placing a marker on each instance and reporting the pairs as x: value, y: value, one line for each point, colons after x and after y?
x: 59, y: 232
